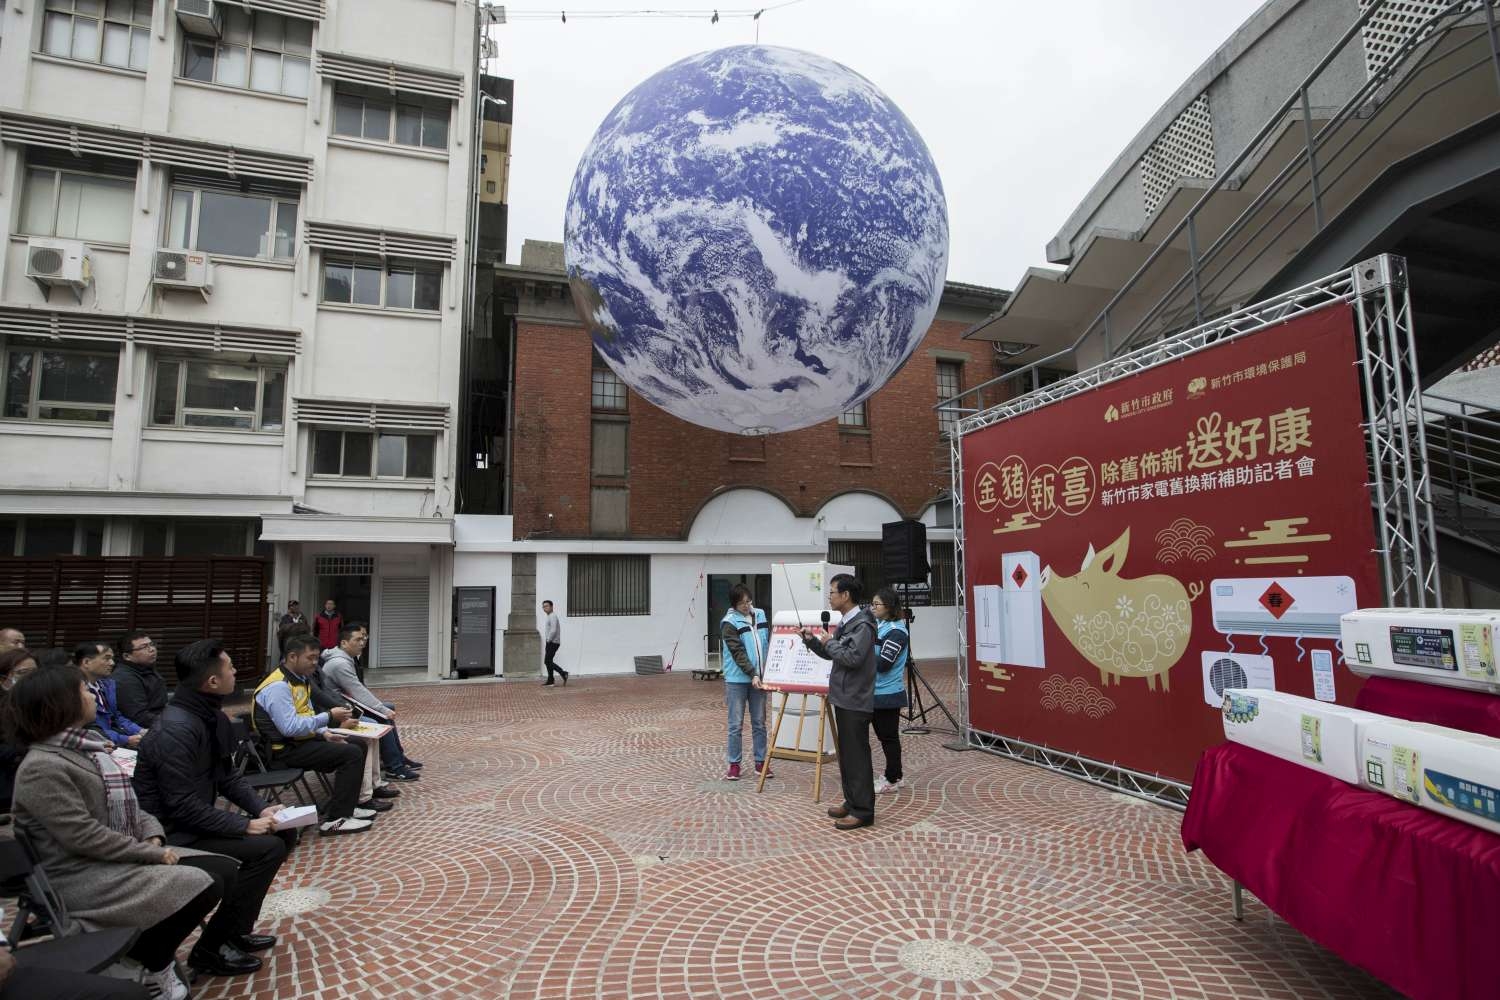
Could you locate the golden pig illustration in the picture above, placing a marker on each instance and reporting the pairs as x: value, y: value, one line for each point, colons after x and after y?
x: 1126, y: 628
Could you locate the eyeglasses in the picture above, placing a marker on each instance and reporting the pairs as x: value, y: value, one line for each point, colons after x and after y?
x: 142, y: 648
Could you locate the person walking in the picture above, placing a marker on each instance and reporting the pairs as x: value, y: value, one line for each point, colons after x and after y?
x: 744, y: 637
x: 851, y: 692
x: 893, y: 649
x: 552, y: 636
x: 328, y: 625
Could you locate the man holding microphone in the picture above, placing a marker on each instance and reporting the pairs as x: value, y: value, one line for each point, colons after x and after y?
x: 851, y: 692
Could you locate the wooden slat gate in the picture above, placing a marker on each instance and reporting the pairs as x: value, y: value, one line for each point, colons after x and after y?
x: 71, y: 599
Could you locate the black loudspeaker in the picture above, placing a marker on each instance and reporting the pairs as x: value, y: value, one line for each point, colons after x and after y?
x: 903, y: 552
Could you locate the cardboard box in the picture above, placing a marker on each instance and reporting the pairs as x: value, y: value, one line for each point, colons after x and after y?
x: 1446, y: 770
x: 1312, y: 733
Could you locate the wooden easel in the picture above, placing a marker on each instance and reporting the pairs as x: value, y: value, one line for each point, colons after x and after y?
x: 825, y: 722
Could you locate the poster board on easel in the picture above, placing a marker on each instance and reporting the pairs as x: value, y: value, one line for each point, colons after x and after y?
x: 793, y: 671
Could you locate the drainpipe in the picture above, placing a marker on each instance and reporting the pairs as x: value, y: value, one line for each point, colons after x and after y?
x: 510, y: 414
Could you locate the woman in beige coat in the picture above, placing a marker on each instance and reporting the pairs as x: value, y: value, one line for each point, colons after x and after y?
x: 103, y: 855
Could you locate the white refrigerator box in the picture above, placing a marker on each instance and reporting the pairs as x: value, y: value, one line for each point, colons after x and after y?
x: 1446, y: 770
x: 1312, y: 733
x: 1021, y: 610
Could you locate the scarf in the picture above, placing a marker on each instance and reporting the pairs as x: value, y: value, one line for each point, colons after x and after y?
x: 119, y: 796
x: 209, y: 708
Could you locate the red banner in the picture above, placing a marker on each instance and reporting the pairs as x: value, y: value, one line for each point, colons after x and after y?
x: 1132, y: 551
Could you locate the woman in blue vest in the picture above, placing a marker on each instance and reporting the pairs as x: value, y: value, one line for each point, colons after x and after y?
x: 744, y: 637
x: 893, y: 649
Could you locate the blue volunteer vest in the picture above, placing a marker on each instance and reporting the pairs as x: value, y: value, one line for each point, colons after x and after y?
x: 892, y: 681
x: 755, y: 637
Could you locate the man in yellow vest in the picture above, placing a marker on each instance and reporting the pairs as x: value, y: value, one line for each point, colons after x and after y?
x: 300, y: 736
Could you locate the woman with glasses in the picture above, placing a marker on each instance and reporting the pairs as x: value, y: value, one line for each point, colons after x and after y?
x: 893, y: 649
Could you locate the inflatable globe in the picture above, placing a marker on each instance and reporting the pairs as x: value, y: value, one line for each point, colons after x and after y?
x: 756, y: 238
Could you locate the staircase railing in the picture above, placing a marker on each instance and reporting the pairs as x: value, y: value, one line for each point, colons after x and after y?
x: 1320, y: 178
x: 1463, y: 455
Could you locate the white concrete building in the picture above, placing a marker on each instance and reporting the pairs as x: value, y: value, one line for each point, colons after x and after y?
x: 232, y: 292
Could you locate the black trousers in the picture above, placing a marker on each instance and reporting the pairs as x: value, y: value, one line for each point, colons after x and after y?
x: 551, y: 664
x: 888, y: 732
x: 345, y: 761
x: 52, y: 984
x: 854, y: 762
x: 157, y: 945
x: 260, y: 858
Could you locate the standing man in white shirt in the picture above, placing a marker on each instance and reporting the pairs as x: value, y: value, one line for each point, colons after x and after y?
x: 552, y: 637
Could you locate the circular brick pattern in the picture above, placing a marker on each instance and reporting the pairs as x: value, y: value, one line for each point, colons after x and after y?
x: 950, y: 960
x: 291, y: 902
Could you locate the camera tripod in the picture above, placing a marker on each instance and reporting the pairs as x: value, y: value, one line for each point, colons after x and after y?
x: 916, y: 706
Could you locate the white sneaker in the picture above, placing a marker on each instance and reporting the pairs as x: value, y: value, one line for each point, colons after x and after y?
x: 882, y: 786
x: 165, y: 984
x: 125, y: 968
x: 350, y: 825
x: 364, y: 813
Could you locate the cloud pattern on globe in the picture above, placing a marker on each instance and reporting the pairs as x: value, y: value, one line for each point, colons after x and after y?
x: 757, y: 239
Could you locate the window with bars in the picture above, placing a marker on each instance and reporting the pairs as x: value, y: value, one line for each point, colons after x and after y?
x: 607, y: 390
x: 866, y: 558
x: 407, y: 120
x: 950, y: 382
x: 344, y: 566
x: 218, y: 395
x: 113, y: 33
x: 608, y: 585
x: 941, y: 561
x: 255, y: 51
x: 76, y: 205
x: 373, y: 455
x: 233, y: 223
x: 59, y: 385
x: 368, y: 281
x: 856, y: 417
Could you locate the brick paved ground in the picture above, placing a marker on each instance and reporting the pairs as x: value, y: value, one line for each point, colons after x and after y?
x: 577, y: 842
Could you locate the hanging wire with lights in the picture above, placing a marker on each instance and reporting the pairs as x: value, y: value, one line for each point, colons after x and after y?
x: 509, y: 15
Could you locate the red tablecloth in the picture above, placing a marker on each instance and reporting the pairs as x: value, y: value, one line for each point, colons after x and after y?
x: 1471, y: 711
x: 1411, y: 896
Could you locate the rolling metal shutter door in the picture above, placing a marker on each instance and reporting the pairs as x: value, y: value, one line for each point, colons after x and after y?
x: 402, y: 640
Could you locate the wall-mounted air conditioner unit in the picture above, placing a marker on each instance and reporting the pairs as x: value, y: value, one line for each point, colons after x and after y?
x: 1305, y: 606
x: 199, y: 17
x: 54, y: 263
x: 184, y: 269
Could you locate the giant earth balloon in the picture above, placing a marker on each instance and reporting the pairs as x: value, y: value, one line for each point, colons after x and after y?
x: 757, y: 239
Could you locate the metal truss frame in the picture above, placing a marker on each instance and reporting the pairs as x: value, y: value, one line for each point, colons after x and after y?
x: 1396, y: 444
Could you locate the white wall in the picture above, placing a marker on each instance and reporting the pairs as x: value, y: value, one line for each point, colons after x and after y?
x: 106, y: 294
x: 190, y: 461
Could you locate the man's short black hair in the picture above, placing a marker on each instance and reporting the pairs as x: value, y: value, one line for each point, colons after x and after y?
x: 197, y: 660
x: 297, y: 642
x: 126, y: 645
x: 546, y: 602
x: 349, y: 630
x: 85, y: 650
x: 849, y: 586
x: 294, y: 604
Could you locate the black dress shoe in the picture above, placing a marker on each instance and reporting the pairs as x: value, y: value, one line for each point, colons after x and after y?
x: 413, y: 765
x: 253, y: 942
x: 225, y: 960
x: 379, y: 805
x: 386, y: 792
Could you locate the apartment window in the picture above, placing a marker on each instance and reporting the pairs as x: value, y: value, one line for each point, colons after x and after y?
x: 235, y: 224
x: 205, y: 536
x: 866, y: 558
x: 255, y: 51
x: 941, y: 562
x: 609, y: 585
x: 114, y: 33
x: 218, y: 395
x: 382, y: 455
x: 76, y: 206
x: 855, y: 417
x: 404, y: 121
x: 51, y: 536
x: 59, y: 385
x: 607, y: 391
x: 366, y: 281
x: 950, y: 381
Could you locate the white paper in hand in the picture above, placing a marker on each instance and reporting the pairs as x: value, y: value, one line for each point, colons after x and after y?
x: 294, y: 816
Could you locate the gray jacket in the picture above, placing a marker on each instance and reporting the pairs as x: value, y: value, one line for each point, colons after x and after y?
x: 342, y: 680
x: 851, y: 683
x: 105, y: 878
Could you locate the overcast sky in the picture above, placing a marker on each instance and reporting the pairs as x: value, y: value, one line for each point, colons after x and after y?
x: 1024, y: 105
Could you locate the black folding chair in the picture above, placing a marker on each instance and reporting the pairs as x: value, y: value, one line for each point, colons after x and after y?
x: 252, y: 767
x: 38, y: 905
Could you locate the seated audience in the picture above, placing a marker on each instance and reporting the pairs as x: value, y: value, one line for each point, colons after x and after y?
x: 298, y: 735
x: 341, y: 677
x: 104, y: 855
x: 184, y: 766
x: 11, y: 638
x: 97, y: 661
x: 14, y: 664
x: 373, y: 789
x: 140, y: 691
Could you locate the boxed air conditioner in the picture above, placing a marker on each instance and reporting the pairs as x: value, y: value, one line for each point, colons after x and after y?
x: 1445, y: 770
x: 1451, y: 648
x: 1315, y: 734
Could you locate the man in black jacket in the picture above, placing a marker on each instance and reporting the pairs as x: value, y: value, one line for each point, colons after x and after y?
x: 184, y: 765
x: 140, y: 693
x: 851, y: 692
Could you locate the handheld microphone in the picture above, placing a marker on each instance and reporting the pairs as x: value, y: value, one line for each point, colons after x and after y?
x: 826, y: 616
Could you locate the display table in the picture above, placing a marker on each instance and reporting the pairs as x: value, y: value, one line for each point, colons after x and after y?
x: 1471, y: 711
x: 1409, y: 895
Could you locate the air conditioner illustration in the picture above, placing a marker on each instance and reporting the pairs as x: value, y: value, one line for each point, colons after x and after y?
x: 184, y: 269
x: 1307, y: 607
x: 1222, y: 671
x: 55, y: 263
x: 199, y: 17
x: 1008, y: 617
